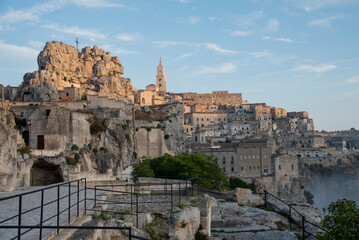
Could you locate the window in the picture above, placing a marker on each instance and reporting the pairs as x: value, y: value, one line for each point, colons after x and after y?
x: 279, y: 167
x: 292, y: 167
x: 265, y: 156
x: 202, y: 119
x: 265, y: 171
x: 48, y: 112
x: 67, y: 94
x: 232, y: 169
x: 224, y: 160
x: 249, y: 157
x: 232, y: 160
x: 242, y: 168
x: 224, y: 169
x: 207, y: 119
x: 250, y: 168
x: 241, y: 157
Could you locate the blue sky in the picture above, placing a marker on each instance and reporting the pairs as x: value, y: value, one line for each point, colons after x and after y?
x: 299, y: 55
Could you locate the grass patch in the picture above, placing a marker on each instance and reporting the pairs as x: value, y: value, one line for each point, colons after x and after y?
x: 103, y: 215
x: 23, y: 150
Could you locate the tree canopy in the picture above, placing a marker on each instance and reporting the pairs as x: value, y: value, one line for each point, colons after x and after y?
x: 341, y: 221
x: 184, y: 166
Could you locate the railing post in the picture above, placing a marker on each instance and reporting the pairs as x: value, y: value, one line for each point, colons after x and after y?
x: 265, y: 198
x: 303, y: 228
x: 85, y: 196
x: 41, y: 213
x: 290, y: 217
x: 179, y: 192
x: 171, y: 198
x: 95, y: 195
x: 131, y: 197
x: 69, y: 212
x: 137, y: 210
x: 58, y: 209
x: 130, y: 233
x: 78, y: 198
x: 19, y: 219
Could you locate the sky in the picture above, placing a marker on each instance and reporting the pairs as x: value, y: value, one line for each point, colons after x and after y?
x: 301, y: 55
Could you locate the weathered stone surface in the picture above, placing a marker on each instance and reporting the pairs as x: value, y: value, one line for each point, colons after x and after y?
x: 231, y: 215
x: 246, y: 197
x: 266, y: 235
x: 184, y: 224
x: 204, y: 205
x: 61, y: 65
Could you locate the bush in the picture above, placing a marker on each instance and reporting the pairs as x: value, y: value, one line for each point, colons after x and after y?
x: 235, y: 182
x: 167, y: 136
x: 70, y: 161
x: 185, y: 166
x: 148, y: 129
x: 341, y: 221
x: 103, y: 149
x: 74, y: 147
x: 128, y: 138
x: 77, y: 157
x: 200, y: 236
x: 23, y: 150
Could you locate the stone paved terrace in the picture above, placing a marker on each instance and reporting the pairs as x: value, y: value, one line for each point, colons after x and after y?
x: 9, y: 208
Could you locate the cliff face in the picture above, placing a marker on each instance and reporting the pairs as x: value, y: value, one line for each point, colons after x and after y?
x: 8, y: 150
x: 61, y: 65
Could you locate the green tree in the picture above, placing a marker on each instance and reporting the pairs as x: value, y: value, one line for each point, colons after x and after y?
x: 235, y: 182
x: 184, y: 166
x: 341, y: 221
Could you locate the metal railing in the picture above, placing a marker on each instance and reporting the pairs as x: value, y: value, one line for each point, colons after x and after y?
x: 69, y: 199
x: 21, y: 211
x: 171, y: 191
x: 294, y: 216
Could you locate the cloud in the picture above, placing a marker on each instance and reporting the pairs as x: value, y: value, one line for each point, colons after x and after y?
x: 324, y: 22
x: 211, y: 18
x: 184, y: 1
x: 182, y: 57
x: 273, y: 25
x: 249, y: 19
x: 92, y: 34
x: 223, y: 68
x: 128, y: 37
x: 15, y: 51
x: 260, y: 54
x: 124, y: 51
x: 35, y: 12
x: 218, y: 49
x: 163, y: 44
x: 287, y: 40
x: 316, y: 68
x: 240, y: 33
x: 96, y: 3
x: 312, y: 5
x: 36, y: 44
x: 193, y: 20
x: 354, y: 79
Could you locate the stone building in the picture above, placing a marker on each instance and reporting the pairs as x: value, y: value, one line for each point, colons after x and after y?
x: 214, y: 98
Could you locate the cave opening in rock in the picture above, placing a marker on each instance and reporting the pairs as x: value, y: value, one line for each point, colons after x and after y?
x: 45, y: 173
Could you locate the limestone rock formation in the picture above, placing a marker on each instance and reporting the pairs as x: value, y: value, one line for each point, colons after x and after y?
x: 184, y: 224
x: 245, y: 197
x: 61, y: 66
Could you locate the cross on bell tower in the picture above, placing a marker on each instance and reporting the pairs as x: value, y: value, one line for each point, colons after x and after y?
x: 77, y: 44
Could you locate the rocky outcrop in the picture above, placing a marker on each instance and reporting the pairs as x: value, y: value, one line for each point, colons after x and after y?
x: 245, y: 197
x: 61, y: 65
x: 230, y: 217
x: 8, y: 151
x: 184, y: 224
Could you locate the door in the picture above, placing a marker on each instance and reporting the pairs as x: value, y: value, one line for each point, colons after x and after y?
x: 40, y: 142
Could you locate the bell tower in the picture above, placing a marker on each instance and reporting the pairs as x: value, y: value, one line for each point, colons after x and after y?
x: 161, y: 79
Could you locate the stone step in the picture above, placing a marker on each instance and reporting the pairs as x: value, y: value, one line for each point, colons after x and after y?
x: 66, y: 233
